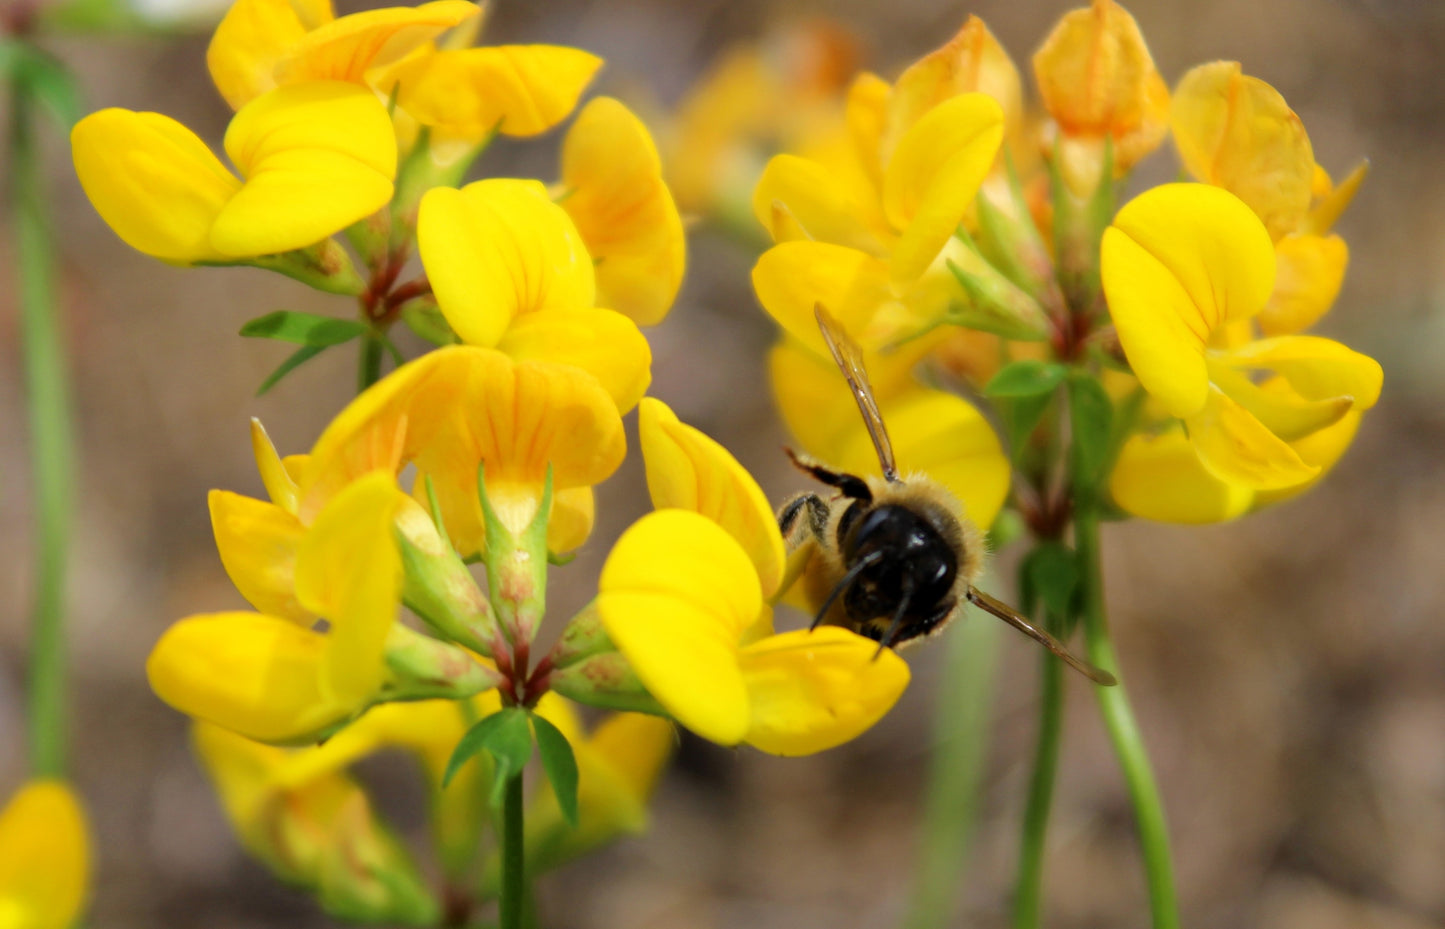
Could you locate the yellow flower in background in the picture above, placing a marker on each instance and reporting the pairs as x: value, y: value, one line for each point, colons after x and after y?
x: 44, y: 857
x: 682, y: 596
x: 275, y: 678
x: 313, y: 158
x: 511, y: 271
x: 1237, y: 132
x: 458, y: 408
x: 1098, y: 81
x: 263, y: 44
x: 1183, y: 266
x: 612, y: 187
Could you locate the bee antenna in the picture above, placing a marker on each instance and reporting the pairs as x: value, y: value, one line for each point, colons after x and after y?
x: 863, y: 564
x: 897, y: 622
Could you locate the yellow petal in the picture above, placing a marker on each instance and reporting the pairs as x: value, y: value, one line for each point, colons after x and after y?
x: 252, y: 39
x: 866, y: 114
x: 1321, y: 449
x: 615, y: 194
x: 497, y: 249
x: 606, y: 345
x: 253, y: 674
x: 428, y: 729
x: 519, y: 90
x: 242, y: 773
x: 1283, y: 412
x: 942, y: 436
x: 791, y: 279
x: 1311, y: 269
x: 811, y: 691
x: 280, y: 485
x: 635, y: 748
x: 688, y: 470
x: 1095, y: 74
x: 574, y: 510
x: 1334, y: 200
x: 258, y: 541
x: 1236, y: 447
x: 1316, y: 368
x: 44, y: 857
x: 1161, y: 478
x: 153, y: 181
x: 317, y: 157
x: 1179, y: 261
x: 1237, y: 132
x: 348, y: 569
x: 971, y: 61
x: 802, y: 191
x: 935, y: 173
x: 347, y: 48
x: 675, y: 594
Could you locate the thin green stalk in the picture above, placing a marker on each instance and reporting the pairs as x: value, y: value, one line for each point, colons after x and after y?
x: 1028, y: 895
x: 51, y: 443
x: 369, y: 370
x: 514, y: 864
x: 960, y: 736
x: 1123, y: 729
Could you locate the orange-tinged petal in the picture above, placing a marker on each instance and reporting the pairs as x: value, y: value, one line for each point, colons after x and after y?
x: 1236, y: 447
x: 934, y: 175
x: 688, y: 470
x: 258, y: 542
x: 1311, y: 269
x: 802, y: 191
x: 348, y: 569
x: 811, y: 691
x: 1237, y: 132
x: 518, y: 90
x: 971, y: 61
x: 347, y: 48
x: 1161, y: 478
x: 675, y: 594
x: 1179, y: 261
x: 1095, y: 73
x: 497, y: 249
x: 252, y: 38
x: 317, y: 157
x: 791, y: 279
x: 153, y: 181
x: 615, y: 194
x: 606, y: 345
x: 44, y: 856
x: 1316, y: 368
x: 280, y: 485
x: 253, y: 674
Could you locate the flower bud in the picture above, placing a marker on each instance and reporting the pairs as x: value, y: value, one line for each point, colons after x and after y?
x: 425, y: 668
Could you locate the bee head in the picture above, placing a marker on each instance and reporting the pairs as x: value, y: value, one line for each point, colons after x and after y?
x: 905, y: 551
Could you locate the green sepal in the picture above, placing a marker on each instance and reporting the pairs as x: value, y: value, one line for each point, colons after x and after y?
x: 605, y: 680
x: 995, y: 304
x: 505, y: 736
x: 424, y: 318
x: 424, y: 668
x: 324, y: 266
x: 559, y: 764
x: 1092, y: 415
x: 1026, y: 378
x: 303, y: 328
x: 1010, y: 240
x: 516, y: 564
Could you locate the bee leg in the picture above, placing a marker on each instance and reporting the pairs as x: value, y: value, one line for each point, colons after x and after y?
x: 897, y: 622
x: 850, y: 485
x: 796, y: 531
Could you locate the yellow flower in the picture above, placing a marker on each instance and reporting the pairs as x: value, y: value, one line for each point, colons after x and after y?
x: 1237, y: 132
x: 458, y: 408
x: 612, y: 187
x: 682, y: 597
x: 1098, y: 81
x: 314, y: 159
x: 1183, y: 266
x: 274, y: 678
x: 312, y: 824
x: 44, y: 857
x: 263, y: 44
x: 511, y: 271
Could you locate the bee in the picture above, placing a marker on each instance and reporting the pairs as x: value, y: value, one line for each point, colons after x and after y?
x: 896, y: 560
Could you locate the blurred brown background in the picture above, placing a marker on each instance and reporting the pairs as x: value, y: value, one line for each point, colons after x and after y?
x: 1289, y: 669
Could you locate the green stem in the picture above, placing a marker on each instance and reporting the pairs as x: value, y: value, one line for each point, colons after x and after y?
x: 514, y: 864
x: 369, y: 370
x: 960, y: 735
x: 1123, y: 728
x: 47, y: 393
x: 1029, y: 893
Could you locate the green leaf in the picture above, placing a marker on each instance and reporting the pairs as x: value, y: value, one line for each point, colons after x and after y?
x: 1092, y: 417
x: 560, y: 765
x: 1053, y: 574
x: 1020, y: 416
x: 303, y: 328
x: 303, y: 355
x: 1026, y: 379
x: 505, y: 736
x: 50, y: 82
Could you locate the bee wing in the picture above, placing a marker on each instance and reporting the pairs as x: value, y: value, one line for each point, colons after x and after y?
x: 850, y: 361
x: 1011, y: 616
